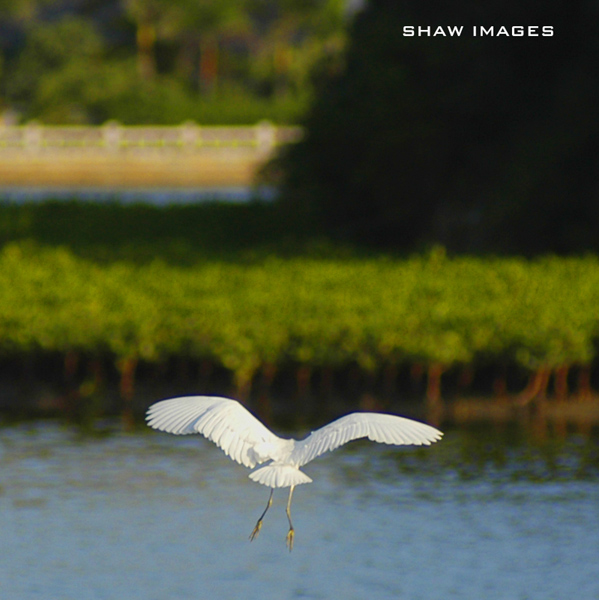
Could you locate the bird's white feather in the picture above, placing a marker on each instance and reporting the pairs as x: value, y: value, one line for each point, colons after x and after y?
x: 247, y: 441
x: 385, y: 429
x: 275, y: 475
x: 225, y: 422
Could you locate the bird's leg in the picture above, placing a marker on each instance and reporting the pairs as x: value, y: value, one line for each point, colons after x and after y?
x: 256, y: 530
x: 291, y: 531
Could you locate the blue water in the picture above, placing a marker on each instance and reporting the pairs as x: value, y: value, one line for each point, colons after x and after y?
x: 152, y: 196
x: 153, y: 516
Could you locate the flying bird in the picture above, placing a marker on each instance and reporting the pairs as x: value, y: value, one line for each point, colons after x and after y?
x: 247, y: 441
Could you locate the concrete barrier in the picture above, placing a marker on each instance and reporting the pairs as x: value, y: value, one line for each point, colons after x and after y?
x: 113, y: 155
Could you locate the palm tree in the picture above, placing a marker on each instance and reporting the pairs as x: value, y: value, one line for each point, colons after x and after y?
x: 151, y: 18
x: 205, y: 24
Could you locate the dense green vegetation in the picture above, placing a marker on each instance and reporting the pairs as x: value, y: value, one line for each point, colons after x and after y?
x: 263, y: 313
x: 164, y: 61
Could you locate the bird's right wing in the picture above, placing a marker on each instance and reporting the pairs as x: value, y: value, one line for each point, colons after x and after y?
x: 223, y: 421
x: 386, y: 429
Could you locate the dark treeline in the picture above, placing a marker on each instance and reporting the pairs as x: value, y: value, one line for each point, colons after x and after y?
x: 482, y: 144
x: 164, y: 61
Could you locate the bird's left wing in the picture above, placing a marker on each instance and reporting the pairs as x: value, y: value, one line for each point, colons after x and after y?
x: 223, y: 421
x: 386, y: 429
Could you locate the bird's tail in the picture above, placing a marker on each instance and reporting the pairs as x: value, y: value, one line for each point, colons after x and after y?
x: 274, y: 476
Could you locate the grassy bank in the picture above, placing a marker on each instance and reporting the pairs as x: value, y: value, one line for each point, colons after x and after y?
x: 177, y: 234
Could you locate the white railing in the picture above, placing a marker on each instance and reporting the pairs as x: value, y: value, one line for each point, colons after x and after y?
x: 113, y: 137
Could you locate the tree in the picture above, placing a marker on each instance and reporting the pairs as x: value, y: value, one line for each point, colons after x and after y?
x: 48, y: 71
x: 426, y: 139
x: 12, y: 11
x: 150, y: 17
x: 291, y: 36
x: 66, y: 61
x: 205, y: 24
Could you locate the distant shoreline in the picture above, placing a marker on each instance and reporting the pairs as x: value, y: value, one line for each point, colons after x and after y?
x: 233, y: 168
x: 115, y: 156
x: 156, y: 195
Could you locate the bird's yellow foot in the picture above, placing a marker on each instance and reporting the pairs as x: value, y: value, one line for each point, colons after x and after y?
x: 290, y: 535
x: 256, y: 530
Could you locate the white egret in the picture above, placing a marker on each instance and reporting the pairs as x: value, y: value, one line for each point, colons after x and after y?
x: 246, y: 440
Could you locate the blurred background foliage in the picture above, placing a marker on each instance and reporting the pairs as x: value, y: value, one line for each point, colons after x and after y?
x: 482, y: 144
x: 165, y: 61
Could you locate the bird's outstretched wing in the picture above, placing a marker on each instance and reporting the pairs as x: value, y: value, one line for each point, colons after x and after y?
x: 223, y: 421
x: 386, y: 429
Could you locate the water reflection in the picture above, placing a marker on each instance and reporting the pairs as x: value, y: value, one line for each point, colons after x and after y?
x: 510, y: 453
x: 483, y: 513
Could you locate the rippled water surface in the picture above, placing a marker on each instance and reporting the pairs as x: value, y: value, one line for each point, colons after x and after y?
x: 153, y: 516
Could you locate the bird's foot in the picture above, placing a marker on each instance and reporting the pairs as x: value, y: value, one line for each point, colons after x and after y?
x: 256, y: 530
x: 290, y: 535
